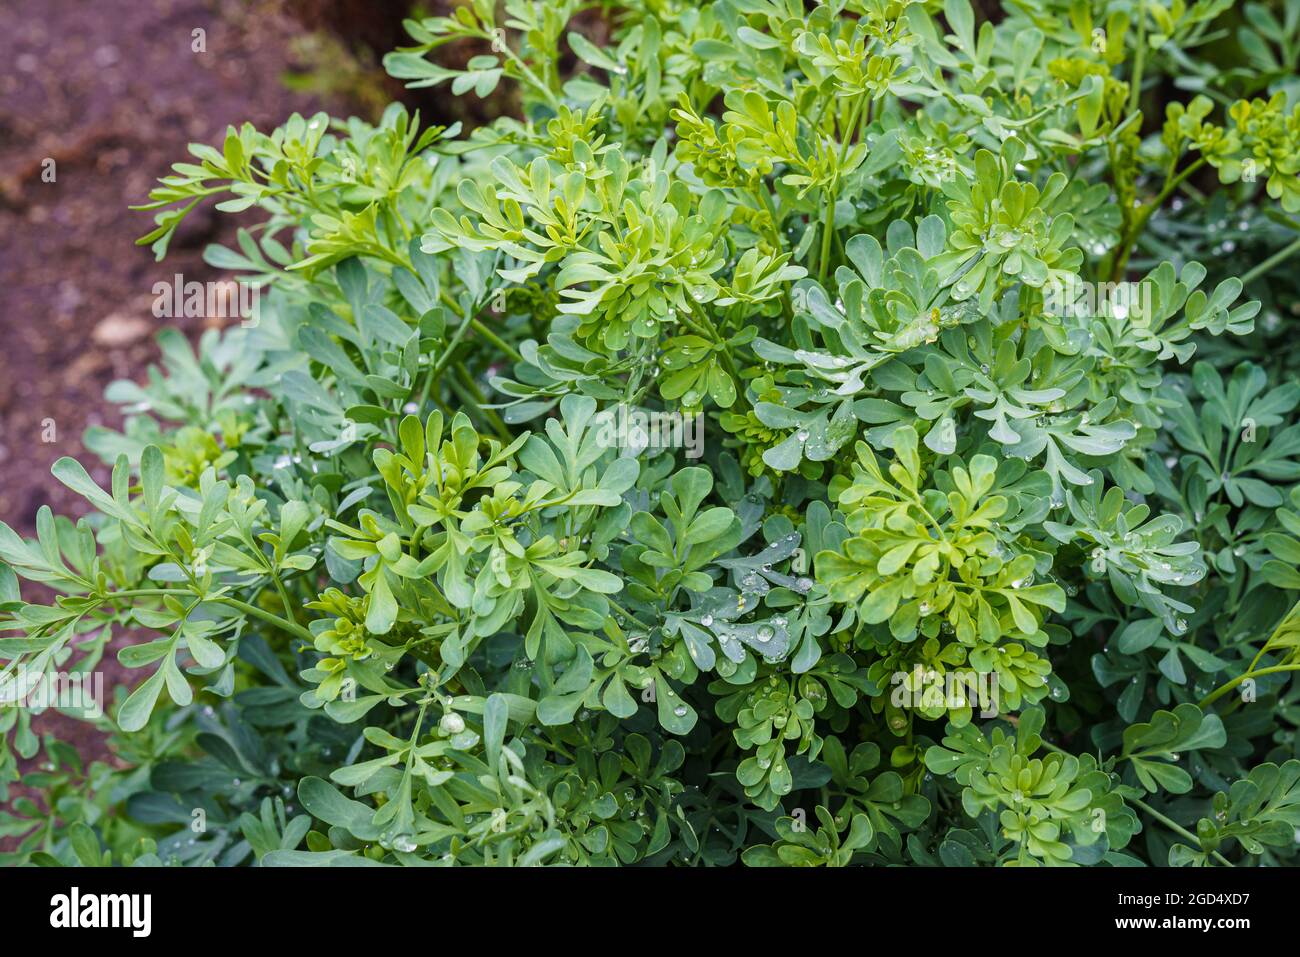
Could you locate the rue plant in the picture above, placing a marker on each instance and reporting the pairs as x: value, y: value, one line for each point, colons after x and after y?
x: 991, y: 556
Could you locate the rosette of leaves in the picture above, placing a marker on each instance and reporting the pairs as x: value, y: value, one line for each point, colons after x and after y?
x: 1056, y: 809
x: 929, y: 561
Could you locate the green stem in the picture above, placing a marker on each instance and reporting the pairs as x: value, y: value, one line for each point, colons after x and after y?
x: 530, y: 77
x: 1176, y: 828
x: 436, y: 369
x: 284, y: 597
x: 625, y: 613
x: 1280, y: 256
x: 1139, y: 58
x: 1219, y: 692
x: 270, y: 617
x: 832, y: 188
x: 710, y: 331
x: 828, y: 224
x: 765, y: 197
x: 470, y: 393
x: 496, y: 340
x: 1139, y: 221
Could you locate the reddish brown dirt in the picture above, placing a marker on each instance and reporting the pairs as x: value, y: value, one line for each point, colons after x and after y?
x: 111, y: 92
x: 107, y: 95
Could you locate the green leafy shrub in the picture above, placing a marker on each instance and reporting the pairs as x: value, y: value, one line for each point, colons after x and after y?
x: 987, y: 550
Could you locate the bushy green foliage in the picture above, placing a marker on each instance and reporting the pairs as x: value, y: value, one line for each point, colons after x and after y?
x: 963, y: 577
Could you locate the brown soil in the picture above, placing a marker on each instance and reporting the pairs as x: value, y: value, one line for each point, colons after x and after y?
x: 97, y: 100
x: 110, y: 92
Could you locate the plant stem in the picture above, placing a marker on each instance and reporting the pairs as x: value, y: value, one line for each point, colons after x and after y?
x: 1177, y: 828
x: 1139, y: 221
x: 625, y: 613
x: 1139, y: 59
x: 270, y: 617
x: 436, y: 369
x: 765, y: 197
x: 832, y: 188
x: 1219, y: 692
x: 496, y: 340
x: 284, y: 596
x: 710, y: 331
x: 473, y: 397
x: 828, y: 224
x: 533, y: 80
x: 1280, y: 256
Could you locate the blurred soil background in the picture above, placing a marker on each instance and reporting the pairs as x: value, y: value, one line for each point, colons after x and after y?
x: 105, y: 96
x: 102, y: 98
